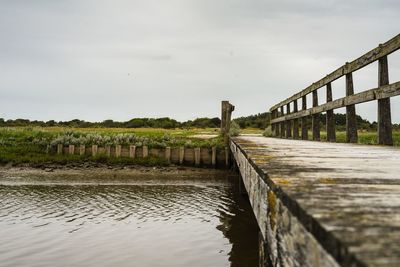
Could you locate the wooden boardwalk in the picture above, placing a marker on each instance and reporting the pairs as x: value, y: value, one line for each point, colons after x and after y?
x: 346, y: 195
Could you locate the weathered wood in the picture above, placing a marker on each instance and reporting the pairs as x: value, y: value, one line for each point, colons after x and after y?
x: 227, y: 156
x: 82, y: 149
x: 288, y: 123
x: 277, y: 125
x: 330, y: 117
x: 282, y: 124
x: 132, y: 151
x: 315, y: 119
x: 94, y: 150
x: 304, y: 129
x: 118, y: 149
x: 373, y: 55
x: 59, y: 149
x: 273, y: 116
x: 168, y: 154
x: 386, y: 91
x: 181, y: 155
x: 71, y: 149
x: 213, y: 156
x: 197, y: 156
x: 295, y: 121
x: 351, y: 120
x: 145, y: 151
x: 384, y: 114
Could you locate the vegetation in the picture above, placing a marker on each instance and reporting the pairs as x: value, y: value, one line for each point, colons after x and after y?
x: 235, y: 129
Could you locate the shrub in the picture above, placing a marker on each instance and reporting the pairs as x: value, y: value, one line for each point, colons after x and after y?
x: 235, y: 129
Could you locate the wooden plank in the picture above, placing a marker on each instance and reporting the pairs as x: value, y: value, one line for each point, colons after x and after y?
x: 315, y: 119
x: 384, y: 114
x: 330, y: 117
x: 382, y: 50
x: 288, y: 123
x: 295, y: 122
x: 385, y: 91
x: 304, y: 130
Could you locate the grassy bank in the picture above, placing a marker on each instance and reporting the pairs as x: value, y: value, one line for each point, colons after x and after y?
x: 36, y: 145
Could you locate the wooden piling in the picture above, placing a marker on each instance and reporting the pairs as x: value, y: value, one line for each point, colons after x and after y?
x: 94, y: 150
x: 384, y: 113
x: 118, y: 149
x: 197, y: 156
x: 145, y: 151
x: 71, y: 149
x: 181, y: 155
x: 288, y: 123
x: 330, y: 117
x: 282, y: 123
x: 168, y: 154
x: 351, y: 120
x: 59, y: 149
x: 132, y: 151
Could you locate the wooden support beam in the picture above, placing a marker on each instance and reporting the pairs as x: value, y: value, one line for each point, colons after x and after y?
x: 282, y: 124
x: 384, y: 113
x: 277, y: 126
x: 304, y: 130
x: 295, y: 122
x: 315, y: 119
x: 288, y: 123
x: 351, y: 121
x: 330, y: 117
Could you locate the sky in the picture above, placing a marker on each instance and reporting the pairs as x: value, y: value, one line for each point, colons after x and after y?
x: 97, y: 59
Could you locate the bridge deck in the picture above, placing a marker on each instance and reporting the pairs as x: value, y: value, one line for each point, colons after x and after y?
x: 351, y: 191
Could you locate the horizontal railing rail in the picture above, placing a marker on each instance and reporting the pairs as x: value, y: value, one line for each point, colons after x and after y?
x: 287, y: 124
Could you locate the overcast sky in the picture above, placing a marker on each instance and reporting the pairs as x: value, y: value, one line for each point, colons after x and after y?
x: 97, y: 60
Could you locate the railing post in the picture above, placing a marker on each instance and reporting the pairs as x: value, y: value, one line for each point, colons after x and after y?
x: 273, y: 116
x: 330, y: 117
x: 295, y: 122
x: 304, y: 130
x: 315, y: 119
x: 277, y: 126
x: 351, y: 121
x: 282, y: 124
x: 288, y: 123
x: 384, y: 114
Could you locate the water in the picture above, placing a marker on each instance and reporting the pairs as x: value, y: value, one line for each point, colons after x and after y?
x: 164, y: 222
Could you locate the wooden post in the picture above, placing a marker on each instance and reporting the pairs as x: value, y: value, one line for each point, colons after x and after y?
x: 132, y: 151
x: 288, y: 123
x: 168, y: 154
x: 304, y: 130
x: 214, y: 156
x: 351, y: 121
x: 330, y: 117
x: 295, y: 121
x: 82, y: 149
x: 223, y: 116
x: 108, y: 151
x: 71, y: 149
x: 282, y: 123
x: 273, y: 116
x: 60, y: 149
x: 226, y: 114
x: 181, y: 155
x: 315, y: 119
x: 277, y: 125
x: 118, y: 149
x: 197, y: 156
x: 145, y: 150
x: 384, y: 114
x: 94, y: 150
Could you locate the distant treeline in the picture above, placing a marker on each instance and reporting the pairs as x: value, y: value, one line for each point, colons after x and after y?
x: 166, y: 123
x: 259, y: 121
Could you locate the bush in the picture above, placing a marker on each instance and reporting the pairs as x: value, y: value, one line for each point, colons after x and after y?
x: 268, y: 132
x: 235, y: 129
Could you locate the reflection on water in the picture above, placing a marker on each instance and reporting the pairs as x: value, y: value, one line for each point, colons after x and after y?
x: 164, y: 224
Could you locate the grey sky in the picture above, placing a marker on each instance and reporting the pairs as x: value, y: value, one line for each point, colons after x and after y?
x: 97, y: 60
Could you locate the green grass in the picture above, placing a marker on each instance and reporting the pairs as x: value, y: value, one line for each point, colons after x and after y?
x: 32, y: 144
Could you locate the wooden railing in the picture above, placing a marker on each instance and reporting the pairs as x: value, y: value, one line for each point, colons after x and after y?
x: 286, y: 125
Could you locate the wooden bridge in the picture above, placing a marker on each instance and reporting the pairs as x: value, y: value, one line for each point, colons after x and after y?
x: 325, y: 203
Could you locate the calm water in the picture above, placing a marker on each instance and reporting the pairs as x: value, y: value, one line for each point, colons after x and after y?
x: 130, y: 223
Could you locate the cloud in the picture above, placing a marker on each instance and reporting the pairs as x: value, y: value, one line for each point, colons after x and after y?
x: 183, y: 56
